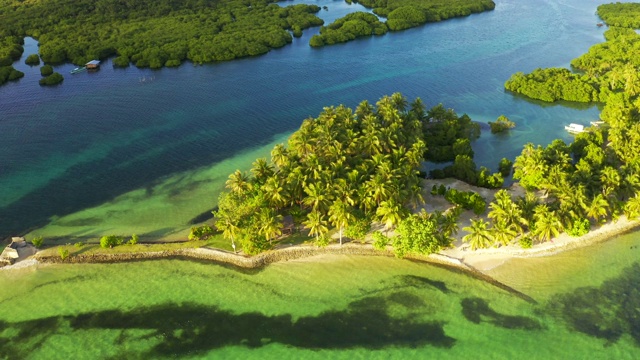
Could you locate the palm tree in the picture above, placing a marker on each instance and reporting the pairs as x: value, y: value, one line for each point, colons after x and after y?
x: 238, y: 183
x: 295, y: 184
x: 317, y: 197
x: 503, y: 233
x: 632, y: 207
x: 274, y: 192
x: 503, y: 209
x: 229, y: 229
x: 261, y: 170
x: 280, y: 156
x: 610, y: 179
x: 547, y: 223
x: 340, y: 215
x: 391, y: 213
x: 598, y: 208
x: 270, y: 223
x: 479, y: 236
x: 316, y: 224
x: 378, y: 188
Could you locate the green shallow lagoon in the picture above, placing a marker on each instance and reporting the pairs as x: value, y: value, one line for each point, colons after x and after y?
x: 325, y: 307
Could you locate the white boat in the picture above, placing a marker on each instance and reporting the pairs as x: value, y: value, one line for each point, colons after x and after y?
x: 78, y: 69
x: 574, y: 128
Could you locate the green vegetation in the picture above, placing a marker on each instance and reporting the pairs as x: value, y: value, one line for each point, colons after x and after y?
x: 349, y: 27
x: 380, y: 240
x: 606, y: 69
x: 342, y: 169
x: 134, y: 239
x: 411, y: 13
x: 46, y: 70
x: 110, y: 241
x: 425, y: 233
x: 8, y: 73
x: 623, y: 15
x: 597, y: 177
x: 447, y: 134
x: 505, y: 166
x: 63, y: 252
x: 10, y: 46
x: 32, y: 59
x: 37, y: 241
x: 468, y: 200
x: 501, y: 124
x: 150, y: 33
x: 553, y: 84
x: 52, y: 79
x: 200, y: 232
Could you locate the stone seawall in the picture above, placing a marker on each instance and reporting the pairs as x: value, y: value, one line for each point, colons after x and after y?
x: 279, y: 255
x: 248, y: 262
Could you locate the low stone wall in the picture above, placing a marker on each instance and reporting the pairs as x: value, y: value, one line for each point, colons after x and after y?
x: 285, y: 254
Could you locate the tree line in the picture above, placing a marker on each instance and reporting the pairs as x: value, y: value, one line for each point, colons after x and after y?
x: 594, y: 179
x: 154, y: 33
x: 399, y: 16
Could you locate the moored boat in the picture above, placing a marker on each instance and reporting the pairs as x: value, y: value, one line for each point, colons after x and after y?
x: 78, y: 69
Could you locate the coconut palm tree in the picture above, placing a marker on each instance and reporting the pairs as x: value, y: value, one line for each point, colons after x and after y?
x: 598, y: 208
x: 479, y: 235
x: 270, y: 223
x: 238, y: 183
x: 632, y: 207
x: 280, y: 156
x: 317, y: 197
x: 547, y: 223
x: 340, y: 215
x: 274, y: 192
x: 390, y: 212
x: 261, y: 170
x: 316, y: 224
x: 610, y: 180
x: 503, y: 233
x: 229, y: 228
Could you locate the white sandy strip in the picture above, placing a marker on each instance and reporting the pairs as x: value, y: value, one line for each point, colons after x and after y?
x: 485, y: 259
x: 21, y: 265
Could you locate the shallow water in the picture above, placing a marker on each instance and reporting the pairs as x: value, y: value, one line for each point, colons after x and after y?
x: 135, y: 150
x: 130, y: 150
x: 332, y: 306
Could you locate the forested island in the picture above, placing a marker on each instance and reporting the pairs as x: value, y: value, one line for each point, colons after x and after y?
x: 349, y: 169
x: 594, y: 179
x: 400, y: 16
x: 163, y: 33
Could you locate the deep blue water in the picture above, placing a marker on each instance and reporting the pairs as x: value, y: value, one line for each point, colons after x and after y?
x: 99, y: 135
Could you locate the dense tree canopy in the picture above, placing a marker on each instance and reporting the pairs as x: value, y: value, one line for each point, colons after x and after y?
x: 151, y: 33
x: 405, y: 14
x: 607, y: 68
x: 621, y: 14
x: 341, y: 167
x: 349, y: 27
x: 596, y: 177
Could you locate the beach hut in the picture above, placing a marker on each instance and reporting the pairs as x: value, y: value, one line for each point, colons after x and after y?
x: 93, y: 65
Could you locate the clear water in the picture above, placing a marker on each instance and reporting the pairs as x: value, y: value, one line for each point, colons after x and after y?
x: 325, y: 307
x: 135, y: 150
x: 129, y: 150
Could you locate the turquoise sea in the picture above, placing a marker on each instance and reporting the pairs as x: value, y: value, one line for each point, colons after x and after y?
x: 139, y: 151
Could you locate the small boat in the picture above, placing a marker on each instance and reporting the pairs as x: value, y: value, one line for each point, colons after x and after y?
x: 599, y: 24
x: 574, y: 128
x: 78, y: 69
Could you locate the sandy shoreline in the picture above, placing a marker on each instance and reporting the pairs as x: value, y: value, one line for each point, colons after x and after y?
x: 459, y: 256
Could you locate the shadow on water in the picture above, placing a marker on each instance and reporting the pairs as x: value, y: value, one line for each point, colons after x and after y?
x: 189, y: 329
x: 477, y: 310
x: 607, y: 312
